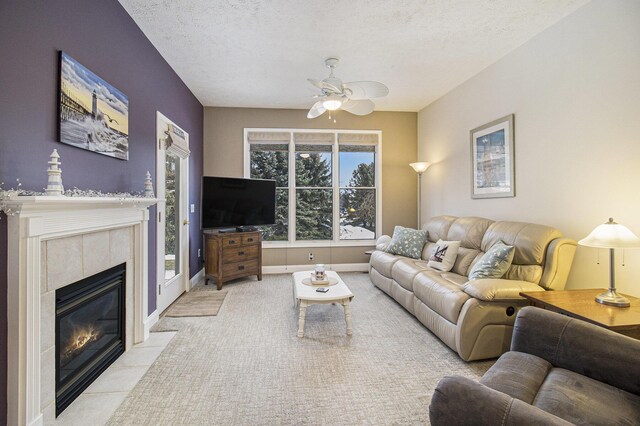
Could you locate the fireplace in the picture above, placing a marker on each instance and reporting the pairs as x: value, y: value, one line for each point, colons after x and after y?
x: 89, y: 332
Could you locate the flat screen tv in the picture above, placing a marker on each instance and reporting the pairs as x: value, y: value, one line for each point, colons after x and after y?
x: 240, y: 203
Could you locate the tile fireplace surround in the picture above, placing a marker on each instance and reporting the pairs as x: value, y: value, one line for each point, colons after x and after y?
x: 54, y: 242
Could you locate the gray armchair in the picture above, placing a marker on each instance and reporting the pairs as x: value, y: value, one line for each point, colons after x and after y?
x: 559, y: 371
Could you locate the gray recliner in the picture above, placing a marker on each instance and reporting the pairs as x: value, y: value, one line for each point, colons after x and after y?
x: 559, y: 371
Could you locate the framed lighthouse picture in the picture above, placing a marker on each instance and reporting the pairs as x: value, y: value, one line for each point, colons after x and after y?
x: 92, y: 114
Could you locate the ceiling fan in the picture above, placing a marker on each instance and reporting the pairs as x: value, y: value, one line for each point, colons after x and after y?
x: 354, y: 97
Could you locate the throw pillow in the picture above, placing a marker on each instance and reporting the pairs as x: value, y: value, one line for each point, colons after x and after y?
x: 494, y: 263
x: 444, y: 255
x: 407, y: 242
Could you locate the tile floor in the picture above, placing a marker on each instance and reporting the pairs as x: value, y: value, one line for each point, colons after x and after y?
x: 100, y: 400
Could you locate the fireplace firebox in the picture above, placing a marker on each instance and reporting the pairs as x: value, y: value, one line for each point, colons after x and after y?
x: 90, y: 331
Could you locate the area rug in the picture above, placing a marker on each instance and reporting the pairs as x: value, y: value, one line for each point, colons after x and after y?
x: 197, y: 304
x: 247, y: 366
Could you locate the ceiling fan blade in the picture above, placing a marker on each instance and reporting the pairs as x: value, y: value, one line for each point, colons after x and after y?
x: 323, y: 85
x: 317, y: 83
x: 316, y: 110
x: 366, y: 89
x: 359, y: 107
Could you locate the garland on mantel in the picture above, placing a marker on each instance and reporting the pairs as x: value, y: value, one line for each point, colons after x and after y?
x: 5, y: 194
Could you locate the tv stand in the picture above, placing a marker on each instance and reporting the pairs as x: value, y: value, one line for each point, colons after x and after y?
x: 230, y: 255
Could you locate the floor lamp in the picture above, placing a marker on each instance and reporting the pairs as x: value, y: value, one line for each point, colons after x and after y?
x: 420, y: 167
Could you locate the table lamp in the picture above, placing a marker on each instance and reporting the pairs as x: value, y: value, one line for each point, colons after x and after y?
x: 420, y: 167
x: 611, y: 235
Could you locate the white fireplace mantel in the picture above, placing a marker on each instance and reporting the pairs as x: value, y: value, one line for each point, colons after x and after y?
x: 33, y: 220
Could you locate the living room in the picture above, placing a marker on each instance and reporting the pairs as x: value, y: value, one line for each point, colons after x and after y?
x: 227, y: 80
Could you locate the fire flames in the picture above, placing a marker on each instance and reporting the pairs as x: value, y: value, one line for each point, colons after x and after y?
x: 80, y: 338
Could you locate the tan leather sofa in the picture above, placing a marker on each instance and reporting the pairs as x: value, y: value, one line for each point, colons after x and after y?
x: 474, y: 318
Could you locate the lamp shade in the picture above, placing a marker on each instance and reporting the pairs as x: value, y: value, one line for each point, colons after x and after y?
x: 611, y: 235
x: 420, y: 167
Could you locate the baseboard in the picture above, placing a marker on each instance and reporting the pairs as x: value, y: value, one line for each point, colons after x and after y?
x: 151, y: 320
x: 196, y: 278
x: 338, y: 267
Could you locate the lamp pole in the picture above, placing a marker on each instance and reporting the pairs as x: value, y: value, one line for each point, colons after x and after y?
x: 420, y: 167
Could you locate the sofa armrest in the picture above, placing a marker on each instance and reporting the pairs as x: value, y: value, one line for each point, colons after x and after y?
x: 557, y: 264
x: 462, y: 401
x: 578, y: 346
x: 383, y: 242
x: 490, y: 289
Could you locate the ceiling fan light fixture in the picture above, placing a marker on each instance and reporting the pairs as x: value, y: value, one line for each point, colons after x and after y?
x: 332, y: 102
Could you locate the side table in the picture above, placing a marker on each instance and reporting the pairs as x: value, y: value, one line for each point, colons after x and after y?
x: 581, y: 304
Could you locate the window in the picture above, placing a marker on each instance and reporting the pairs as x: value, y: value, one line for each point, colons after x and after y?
x: 357, y: 192
x: 327, y: 183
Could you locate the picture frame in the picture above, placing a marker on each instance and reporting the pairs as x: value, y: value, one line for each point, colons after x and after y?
x: 92, y: 114
x: 493, y: 159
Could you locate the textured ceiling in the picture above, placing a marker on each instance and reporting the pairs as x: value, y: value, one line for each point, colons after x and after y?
x: 259, y: 53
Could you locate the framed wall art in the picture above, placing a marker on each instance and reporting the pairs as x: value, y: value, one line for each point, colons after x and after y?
x: 92, y: 114
x: 492, y: 160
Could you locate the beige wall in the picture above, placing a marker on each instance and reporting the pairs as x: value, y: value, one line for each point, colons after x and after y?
x: 223, y: 156
x: 575, y: 93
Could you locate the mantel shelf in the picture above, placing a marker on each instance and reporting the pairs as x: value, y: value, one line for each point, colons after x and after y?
x: 35, y: 203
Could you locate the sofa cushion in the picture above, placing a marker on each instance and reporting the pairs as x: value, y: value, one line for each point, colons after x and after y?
x: 383, y: 262
x: 531, y: 273
x: 453, y: 278
x: 494, y: 263
x: 443, y: 255
x: 405, y: 270
x: 517, y: 374
x: 463, y: 260
x: 469, y: 231
x: 407, y: 242
x: 437, y: 227
x: 579, y: 399
x: 530, y: 240
x: 440, y: 294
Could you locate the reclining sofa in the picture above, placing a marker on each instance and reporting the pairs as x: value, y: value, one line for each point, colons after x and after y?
x: 474, y: 318
x: 560, y: 371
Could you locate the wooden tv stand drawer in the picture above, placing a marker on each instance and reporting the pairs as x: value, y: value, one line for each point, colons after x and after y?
x: 232, y: 255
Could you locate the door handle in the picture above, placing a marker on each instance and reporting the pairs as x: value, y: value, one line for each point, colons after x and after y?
x: 186, y: 222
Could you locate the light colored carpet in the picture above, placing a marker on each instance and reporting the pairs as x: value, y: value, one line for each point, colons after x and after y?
x: 246, y: 365
x: 197, y: 304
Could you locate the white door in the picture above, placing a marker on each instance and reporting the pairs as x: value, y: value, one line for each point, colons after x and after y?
x: 172, y: 221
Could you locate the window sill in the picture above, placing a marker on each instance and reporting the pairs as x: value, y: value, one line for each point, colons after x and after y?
x: 305, y: 244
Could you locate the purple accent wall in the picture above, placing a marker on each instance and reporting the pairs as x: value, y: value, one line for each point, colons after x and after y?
x: 104, y: 38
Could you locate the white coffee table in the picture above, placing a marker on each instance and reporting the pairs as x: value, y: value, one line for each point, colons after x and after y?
x: 307, y: 295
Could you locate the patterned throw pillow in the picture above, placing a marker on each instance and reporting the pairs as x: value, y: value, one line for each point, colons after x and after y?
x: 494, y: 263
x: 407, y: 242
x: 444, y: 255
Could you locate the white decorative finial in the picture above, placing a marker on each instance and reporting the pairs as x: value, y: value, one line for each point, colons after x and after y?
x: 148, y: 186
x: 54, y: 184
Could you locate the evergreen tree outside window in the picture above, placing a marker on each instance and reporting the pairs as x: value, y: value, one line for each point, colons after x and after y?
x: 314, y: 192
x: 357, y: 192
x: 271, y: 161
x: 326, y: 183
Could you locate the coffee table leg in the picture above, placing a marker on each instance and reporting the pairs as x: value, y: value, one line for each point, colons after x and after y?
x: 347, y: 316
x: 303, y: 312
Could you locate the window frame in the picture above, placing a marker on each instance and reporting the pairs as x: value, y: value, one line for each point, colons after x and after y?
x: 335, y: 178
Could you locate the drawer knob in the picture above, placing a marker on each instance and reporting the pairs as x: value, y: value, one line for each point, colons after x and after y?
x: 241, y: 267
x: 241, y: 253
x: 232, y: 241
x: 250, y: 239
